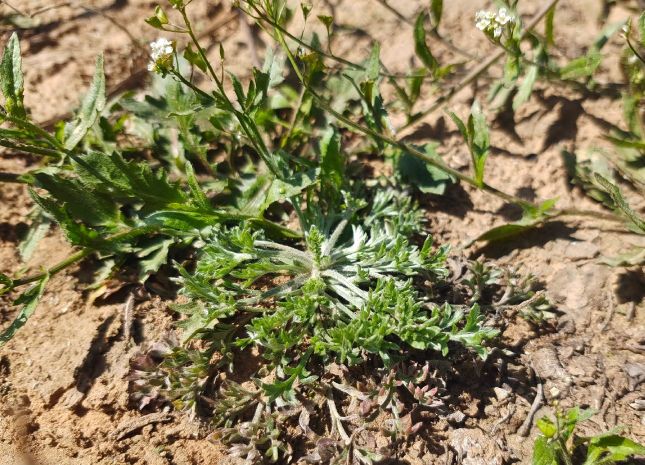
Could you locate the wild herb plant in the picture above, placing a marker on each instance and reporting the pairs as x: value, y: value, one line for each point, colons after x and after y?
x: 559, y: 445
x: 320, y: 284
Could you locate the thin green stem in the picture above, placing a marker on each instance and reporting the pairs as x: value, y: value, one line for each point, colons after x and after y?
x: 60, y: 266
x: 11, y: 178
x: 24, y: 124
x: 191, y: 86
x: 44, y: 151
x: 294, y: 118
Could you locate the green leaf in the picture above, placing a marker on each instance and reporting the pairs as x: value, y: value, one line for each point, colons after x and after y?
x: 128, y: 181
x: 420, y: 45
x: 611, y: 448
x: 634, y: 256
x: 29, y: 301
x: 547, y: 427
x: 526, y: 88
x: 80, y: 200
x: 544, y: 453
x: 280, y: 190
x: 37, y: 231
x: 461, y: 126
x: 582, y: 67
x: 332, y: 163
x: 91, y: 107
x: 531, y: 218
x: 436, y: 12
x: 197, y: 194
x: 636, y: 221
x: 194, y: 58
x: 6, y: 282
x: 11, y: 78
x: 427, y: 178
x: 153, y: 256
x: 374, y: 62
x: 161, y: 15
x: 480, y: 141
x: 548, y: 26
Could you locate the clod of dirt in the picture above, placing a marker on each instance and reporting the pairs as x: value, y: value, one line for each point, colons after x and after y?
x: 474, y: 447
x: 636, y: 373
x: 546, y: 364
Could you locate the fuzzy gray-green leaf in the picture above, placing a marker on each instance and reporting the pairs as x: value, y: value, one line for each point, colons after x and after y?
x: 91, y: 107
x: 11, y: 78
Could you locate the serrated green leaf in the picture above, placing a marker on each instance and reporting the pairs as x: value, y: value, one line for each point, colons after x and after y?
x: 199, y: 198
x: 636, y: 221
x: 420, y: 45
x: 76, y: 233
x: 83, y: 203
x: 128, y: 181
x: 152, y: 256
x: 91, y: 107
x: 11, y: 78
x: 29, y: 301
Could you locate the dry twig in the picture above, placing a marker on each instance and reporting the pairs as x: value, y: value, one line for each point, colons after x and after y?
x: 528, y: 422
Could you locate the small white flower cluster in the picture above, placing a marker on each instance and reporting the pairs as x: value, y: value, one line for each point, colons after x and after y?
x: 492, y: 23
x: 161, y: 55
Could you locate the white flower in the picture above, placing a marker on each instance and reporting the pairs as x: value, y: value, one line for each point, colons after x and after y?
x: 161, y: 55
x: 503, y: 17
x: 493, y: 24
x: 483, y: 19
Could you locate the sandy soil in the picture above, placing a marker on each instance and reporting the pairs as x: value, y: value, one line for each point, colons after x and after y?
x: 63, y: 379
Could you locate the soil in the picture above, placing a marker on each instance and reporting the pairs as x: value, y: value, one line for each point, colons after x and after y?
x: 63, y: 379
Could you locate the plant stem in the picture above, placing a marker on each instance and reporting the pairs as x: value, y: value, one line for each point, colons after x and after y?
x: 60, y: 266
x: 44, y: 151
x: 294, y: 118
x: 11, y: 178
